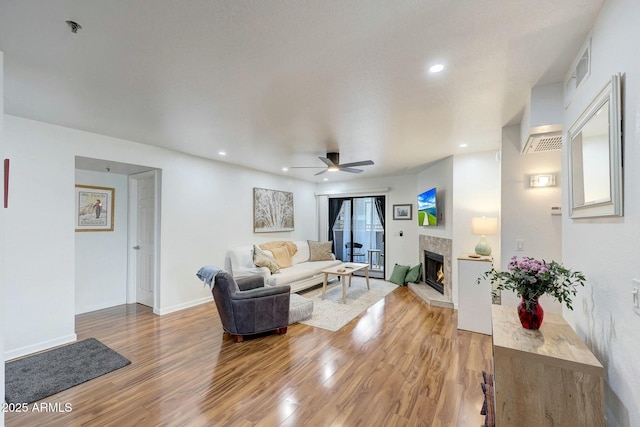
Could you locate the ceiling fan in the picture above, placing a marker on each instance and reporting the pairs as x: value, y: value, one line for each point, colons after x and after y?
x: 333, y: 164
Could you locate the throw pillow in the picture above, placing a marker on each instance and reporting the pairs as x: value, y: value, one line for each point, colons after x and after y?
x: 414, y: 274
x: 320, y: 251
x: 270, y: 246
x: 263, y: 259
x: 302, y: 254
x: 282, y: 256
x: 398, y: 274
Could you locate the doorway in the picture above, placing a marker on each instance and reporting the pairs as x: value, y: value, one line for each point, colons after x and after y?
x: 116, y: 284
x: 144, y: 220
x: 356, y: 227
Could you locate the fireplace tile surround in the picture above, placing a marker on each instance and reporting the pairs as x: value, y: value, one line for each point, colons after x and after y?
x: 443, y: 247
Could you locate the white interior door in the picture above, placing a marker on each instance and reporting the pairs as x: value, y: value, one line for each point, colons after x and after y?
x: 145, y: 244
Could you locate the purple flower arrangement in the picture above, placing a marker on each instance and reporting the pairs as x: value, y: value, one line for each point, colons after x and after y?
x: 531, y: 278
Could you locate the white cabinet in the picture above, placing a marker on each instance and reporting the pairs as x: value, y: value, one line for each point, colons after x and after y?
x: 474, y: 301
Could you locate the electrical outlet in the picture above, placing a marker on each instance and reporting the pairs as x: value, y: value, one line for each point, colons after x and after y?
x: 520, y: 245
x: 636, y: 296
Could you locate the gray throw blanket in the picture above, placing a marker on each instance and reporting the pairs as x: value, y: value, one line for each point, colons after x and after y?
x: 207, y: 274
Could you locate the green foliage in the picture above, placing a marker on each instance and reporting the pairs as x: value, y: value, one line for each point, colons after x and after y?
x: 531, y: 278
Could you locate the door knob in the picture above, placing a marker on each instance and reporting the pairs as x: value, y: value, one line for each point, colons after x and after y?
x: 136, y: 247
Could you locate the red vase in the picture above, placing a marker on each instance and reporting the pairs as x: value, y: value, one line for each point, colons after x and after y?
x: 531, y: 318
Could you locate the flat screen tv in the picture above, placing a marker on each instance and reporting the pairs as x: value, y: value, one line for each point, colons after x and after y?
x: 427, y: 208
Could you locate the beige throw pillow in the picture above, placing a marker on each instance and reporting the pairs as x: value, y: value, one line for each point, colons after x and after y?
x: 282, y: 256
x: 270, y: 246
x: 320, y: 251
x: 263, y: 259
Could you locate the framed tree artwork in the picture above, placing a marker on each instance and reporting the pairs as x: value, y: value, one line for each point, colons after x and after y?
x: 94, y: 208
x: 272, y: 211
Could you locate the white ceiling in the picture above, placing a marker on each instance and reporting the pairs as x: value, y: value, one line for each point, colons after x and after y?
x: 278, y: 83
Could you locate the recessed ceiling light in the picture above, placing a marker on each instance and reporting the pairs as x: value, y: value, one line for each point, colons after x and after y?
x: 326, y: 179
x: 284, y: 169
x: 436, y: 68
x: 222, y: 153
x: 463, y: 145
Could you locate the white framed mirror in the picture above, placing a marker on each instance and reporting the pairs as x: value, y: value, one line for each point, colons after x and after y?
x: 595, y: 156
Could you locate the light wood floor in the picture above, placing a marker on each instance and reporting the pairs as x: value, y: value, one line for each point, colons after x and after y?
x: 401, y: 363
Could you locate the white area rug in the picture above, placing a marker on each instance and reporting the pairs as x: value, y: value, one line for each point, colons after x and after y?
x: 332, y: 314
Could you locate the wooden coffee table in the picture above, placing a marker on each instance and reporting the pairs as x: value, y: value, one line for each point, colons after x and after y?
x: 344, y: 270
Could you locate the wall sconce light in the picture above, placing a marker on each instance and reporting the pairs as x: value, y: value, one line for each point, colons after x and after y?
x: 546, y: 180
x: 484, y: 226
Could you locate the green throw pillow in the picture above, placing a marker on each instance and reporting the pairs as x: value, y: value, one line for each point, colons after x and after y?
x: 414, y: 274
x: 399, y: 273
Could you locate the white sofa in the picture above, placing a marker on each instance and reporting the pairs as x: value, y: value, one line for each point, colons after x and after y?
x: 301, y: 275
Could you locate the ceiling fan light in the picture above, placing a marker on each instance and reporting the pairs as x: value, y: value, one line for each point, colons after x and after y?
x: 333, y: 169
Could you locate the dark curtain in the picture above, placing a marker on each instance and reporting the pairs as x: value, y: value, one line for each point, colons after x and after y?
x: 334, y: 210
x: 380, y: 209
x: 379, y: 201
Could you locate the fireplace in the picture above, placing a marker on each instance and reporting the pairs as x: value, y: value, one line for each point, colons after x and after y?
x: 442, y: 248
x: 434, y: 271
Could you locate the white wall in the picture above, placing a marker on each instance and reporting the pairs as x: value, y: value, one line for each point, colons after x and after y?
x: 526, y: 211
x: 440, y: 176
x: 606, y: 249
x: 206, y: 207
x: 39, y: 304
x: 476, y: 192
x: 476, y: 189
x: 401, y: 190
x: 99, y: 284
x: 2, y: 240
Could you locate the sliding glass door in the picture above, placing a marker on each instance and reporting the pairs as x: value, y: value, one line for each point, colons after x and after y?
x: 356, y: 226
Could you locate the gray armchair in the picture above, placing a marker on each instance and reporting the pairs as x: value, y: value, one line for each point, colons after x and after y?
x: 247, y: 307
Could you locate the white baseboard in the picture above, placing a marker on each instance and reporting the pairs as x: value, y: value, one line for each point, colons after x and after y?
x: 100, y: 306
x: 178, y: 307
x: 34, y: 348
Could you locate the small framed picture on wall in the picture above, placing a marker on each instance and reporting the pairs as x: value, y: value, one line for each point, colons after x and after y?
x: 94, y: 208
x: 401, y: 212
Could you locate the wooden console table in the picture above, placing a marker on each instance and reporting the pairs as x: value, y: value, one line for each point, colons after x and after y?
x: 544, y: 378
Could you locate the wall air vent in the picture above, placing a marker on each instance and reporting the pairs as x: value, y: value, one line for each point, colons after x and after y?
x: 542, y: 139
x: 583, y: 68
x: 579, y: 72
